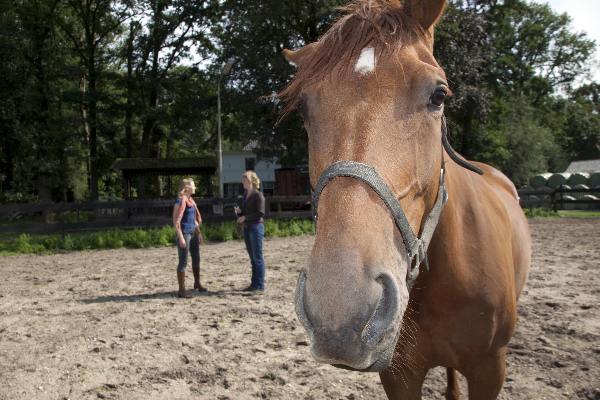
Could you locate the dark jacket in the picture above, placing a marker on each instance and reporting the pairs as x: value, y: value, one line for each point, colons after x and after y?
x: 253, y: 208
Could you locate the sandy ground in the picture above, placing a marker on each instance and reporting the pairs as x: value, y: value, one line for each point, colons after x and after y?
x: 106, y: 325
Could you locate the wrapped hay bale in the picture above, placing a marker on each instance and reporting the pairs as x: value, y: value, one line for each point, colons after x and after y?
x: 580, y: 195
x: 569, y: 206
x: 578, y: 178
x: 591, y: 206
x: 540, y: 180
x: 594, y: 180
x: 558, y: 179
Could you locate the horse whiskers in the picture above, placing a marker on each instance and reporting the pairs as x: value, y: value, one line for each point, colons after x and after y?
x: 405, y: 356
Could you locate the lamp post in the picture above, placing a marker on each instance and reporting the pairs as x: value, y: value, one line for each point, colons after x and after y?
x: 224, y: 71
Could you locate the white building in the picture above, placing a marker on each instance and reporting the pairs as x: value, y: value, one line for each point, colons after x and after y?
x: 235, y: 163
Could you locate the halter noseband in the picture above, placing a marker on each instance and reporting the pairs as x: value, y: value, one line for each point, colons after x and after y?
x: 416, y: 247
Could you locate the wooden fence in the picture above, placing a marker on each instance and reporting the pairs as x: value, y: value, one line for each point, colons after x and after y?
x: 150, y: 213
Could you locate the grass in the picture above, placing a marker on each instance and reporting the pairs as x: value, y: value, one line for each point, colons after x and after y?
x: 578, y: 214
x: 547, y: 213
x: 139, y: 238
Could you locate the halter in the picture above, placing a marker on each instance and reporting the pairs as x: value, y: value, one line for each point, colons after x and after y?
x: 416, y: 247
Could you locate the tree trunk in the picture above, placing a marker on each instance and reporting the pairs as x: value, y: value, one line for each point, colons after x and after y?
x: 150, y: 124
x: 42, y: 126
x: 92, y: 100
x: 130, y: 89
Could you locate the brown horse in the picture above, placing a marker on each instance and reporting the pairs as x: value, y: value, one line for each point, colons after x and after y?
x: 371, y: 95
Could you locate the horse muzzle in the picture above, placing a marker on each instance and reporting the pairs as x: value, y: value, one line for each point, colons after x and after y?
x: 361, y: 341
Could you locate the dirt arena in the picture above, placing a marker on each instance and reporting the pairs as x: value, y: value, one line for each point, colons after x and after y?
x: 106, y: 325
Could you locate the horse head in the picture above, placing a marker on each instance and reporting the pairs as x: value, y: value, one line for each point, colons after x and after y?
x: 370, y: 92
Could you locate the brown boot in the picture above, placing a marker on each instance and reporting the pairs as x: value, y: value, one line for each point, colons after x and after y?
x: 181, y: 281
x: 197, y: 285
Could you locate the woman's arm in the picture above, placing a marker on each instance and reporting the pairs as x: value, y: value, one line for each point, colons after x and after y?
x: 178, y: 210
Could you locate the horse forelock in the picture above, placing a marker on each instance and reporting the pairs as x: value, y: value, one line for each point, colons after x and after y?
x: 379, y: 24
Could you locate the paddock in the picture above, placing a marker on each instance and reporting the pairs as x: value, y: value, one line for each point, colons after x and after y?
x: 106, y: 325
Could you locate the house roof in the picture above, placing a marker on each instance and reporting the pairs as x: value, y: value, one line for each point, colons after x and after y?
x: 584, y: 166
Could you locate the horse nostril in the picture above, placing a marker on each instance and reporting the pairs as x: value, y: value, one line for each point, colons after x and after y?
x: 300, y: 308
x: 384, y: 313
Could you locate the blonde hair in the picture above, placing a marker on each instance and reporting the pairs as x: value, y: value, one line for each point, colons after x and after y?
x: 184, y: 185
x: 253, y: 178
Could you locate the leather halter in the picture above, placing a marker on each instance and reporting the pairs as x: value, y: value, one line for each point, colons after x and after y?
x: 415, y: 246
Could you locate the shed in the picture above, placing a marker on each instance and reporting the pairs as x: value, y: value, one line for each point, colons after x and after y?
x: 142, y: 167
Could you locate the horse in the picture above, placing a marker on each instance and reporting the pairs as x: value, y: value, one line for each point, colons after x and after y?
x: 419, y: 255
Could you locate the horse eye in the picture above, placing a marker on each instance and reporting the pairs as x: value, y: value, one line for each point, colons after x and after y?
x: 438, y: 96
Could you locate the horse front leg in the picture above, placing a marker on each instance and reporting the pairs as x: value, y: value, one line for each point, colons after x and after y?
x: 403, y: 383
x: 485, y: 376
x: 453, y: 390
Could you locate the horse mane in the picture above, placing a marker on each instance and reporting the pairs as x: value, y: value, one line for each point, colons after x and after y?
x: 380, y: 24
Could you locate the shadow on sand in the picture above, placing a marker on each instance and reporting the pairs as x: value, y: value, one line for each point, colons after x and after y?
x: 172, y: 295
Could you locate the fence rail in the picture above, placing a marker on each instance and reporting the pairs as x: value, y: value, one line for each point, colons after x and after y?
x: 147, y: 213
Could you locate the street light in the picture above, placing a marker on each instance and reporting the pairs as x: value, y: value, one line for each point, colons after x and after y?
x: 224, y: 71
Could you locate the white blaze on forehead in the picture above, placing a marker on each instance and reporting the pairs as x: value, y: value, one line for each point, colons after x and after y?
x: 366, y: 61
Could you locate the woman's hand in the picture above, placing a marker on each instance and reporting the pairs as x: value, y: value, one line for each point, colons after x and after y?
x: 182, y: 243
x: 241, y: 220
x: 237, y: 210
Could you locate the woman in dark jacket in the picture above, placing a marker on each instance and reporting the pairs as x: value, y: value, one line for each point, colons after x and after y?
x: 250, y: 215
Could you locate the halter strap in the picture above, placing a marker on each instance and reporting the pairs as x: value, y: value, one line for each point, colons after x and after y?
x: 415, y: 246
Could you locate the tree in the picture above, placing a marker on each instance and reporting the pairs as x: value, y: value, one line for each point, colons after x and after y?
x: 174, y: 28
x: 91, y: 26
x: 256, y: 32
x: 463, y: 49
x: 536, y: 51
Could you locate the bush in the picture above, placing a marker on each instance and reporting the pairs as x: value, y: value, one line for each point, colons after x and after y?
x: 52, y: 243
x: 272, y: 228
x: 140, y: 238
x: 22, y: 244
x: 219, y: 232
x: 540, y: 213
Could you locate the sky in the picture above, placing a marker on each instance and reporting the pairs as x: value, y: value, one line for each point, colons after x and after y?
x: 584, y: 15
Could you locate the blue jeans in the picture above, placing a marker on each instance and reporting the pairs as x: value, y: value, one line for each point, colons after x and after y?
x: 253, y: 236
x: 192, y: 245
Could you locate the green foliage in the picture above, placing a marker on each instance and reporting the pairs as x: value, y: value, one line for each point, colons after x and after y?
x: 540, y: 213
x: 518, y: 143
x: 272, y: 228
x: 140, y: 238
x: 219, y: 232
x: 92, y: 81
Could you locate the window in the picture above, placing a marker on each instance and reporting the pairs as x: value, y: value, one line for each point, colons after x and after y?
x: 232, y: 190
x: 250, y: 163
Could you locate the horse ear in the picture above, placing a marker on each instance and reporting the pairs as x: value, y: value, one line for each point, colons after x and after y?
x: 426, y: 12
x: 297, y: 57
